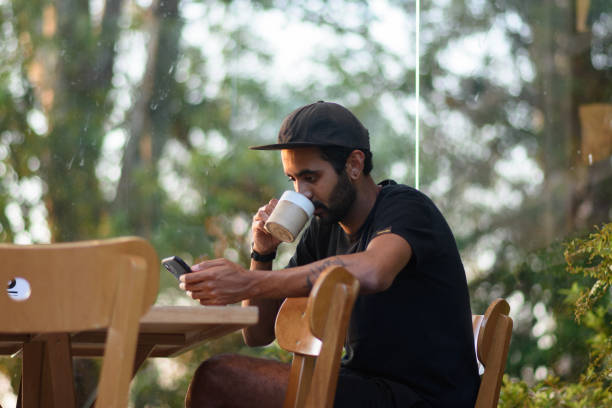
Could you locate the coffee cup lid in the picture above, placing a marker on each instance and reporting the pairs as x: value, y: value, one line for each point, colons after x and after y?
x: 298, y: 199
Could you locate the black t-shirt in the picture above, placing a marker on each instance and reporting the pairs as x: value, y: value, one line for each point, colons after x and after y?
x: 419, y: 331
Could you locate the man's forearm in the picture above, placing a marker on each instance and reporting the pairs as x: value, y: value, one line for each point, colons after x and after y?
x: 289, y: 282
x: 273, y: 288
x: 375, y: 273
x: 263, y: 332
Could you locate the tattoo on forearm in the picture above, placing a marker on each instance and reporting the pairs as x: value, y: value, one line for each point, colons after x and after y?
x: 317, y: 269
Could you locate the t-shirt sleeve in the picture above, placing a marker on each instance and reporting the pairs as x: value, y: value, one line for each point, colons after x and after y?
x: 408, y: 214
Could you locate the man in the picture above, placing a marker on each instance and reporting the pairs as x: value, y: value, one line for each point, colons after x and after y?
x: 410, y: 339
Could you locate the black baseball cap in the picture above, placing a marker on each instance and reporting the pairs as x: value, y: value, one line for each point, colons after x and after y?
x: 320, y: 124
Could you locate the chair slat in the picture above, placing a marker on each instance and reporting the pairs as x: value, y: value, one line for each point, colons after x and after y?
x: 493, y: 331
x: 314, y: 329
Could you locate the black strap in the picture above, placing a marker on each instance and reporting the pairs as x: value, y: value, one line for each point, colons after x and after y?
x: 262, y: 258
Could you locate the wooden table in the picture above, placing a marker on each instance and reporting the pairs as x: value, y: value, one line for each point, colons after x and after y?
x: 165, y: 331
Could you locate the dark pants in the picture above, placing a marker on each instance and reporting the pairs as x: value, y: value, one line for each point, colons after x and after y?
x: 356, y: 390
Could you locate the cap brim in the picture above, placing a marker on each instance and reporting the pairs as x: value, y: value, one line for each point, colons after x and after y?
x: 280, y: 146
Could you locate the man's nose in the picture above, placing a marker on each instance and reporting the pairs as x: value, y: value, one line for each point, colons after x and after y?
x: 301, y: 188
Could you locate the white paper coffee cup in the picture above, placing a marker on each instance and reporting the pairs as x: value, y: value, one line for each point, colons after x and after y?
x: 289, y: 216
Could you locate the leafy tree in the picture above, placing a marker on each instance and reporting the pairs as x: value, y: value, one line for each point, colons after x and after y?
x: 134, y: 118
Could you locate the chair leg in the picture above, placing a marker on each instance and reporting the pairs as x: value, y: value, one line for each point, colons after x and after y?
x: 120, y: 353
x: 59, y: 360
x: 31, y: 375
x: 299, y: 381
x: 142, y: 353
x: 325, y: 377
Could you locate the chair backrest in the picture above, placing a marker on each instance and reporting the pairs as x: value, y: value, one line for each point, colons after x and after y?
x: 492, y: 332
x: 314, y: 330
x: 84, y: 285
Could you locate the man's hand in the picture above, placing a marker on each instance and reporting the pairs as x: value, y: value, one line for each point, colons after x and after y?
x: 263, y: 242
x: 218, y: 282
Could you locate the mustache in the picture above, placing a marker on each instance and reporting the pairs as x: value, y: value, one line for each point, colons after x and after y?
x: 319, y: 205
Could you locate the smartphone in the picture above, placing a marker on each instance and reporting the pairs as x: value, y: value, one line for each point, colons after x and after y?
x: 176, y: 266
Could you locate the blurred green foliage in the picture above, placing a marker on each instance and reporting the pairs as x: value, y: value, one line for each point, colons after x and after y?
x: 590, y: 257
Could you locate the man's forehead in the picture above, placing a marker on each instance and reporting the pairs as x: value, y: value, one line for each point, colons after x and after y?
x: 300, y: 151
x: 302, y: 158
x: 301, y: 154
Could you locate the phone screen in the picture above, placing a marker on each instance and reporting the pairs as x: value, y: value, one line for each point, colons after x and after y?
x: 176, y: 266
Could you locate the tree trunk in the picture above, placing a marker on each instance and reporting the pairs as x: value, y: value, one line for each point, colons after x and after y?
x: 77, y: 112
x: 138, y: 192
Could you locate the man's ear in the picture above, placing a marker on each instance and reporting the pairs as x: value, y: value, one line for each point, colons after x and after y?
x: 354, y: 164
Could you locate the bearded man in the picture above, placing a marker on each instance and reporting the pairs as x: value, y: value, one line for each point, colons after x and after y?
x: 410, y: 341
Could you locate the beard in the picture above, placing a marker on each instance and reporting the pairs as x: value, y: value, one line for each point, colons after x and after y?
x: 340, y: 201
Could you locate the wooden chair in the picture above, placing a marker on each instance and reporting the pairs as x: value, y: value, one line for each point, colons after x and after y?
x: 492, y: 332
x: 314, y: 329
x: 76, y: 286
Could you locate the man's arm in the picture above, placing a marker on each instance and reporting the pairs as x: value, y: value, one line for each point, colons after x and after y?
x: 220, y: 281
x: 261, y: 333
x: 375, y: 268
